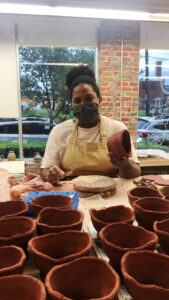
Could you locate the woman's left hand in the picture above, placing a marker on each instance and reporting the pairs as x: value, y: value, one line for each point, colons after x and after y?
x: 127, y: 168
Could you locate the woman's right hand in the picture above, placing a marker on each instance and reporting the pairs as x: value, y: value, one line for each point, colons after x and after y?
x: 55, y: 174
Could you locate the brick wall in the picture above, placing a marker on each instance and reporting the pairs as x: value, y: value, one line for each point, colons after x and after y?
x: 110, y: 36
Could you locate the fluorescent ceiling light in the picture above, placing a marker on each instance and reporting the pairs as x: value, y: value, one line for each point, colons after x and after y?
x: 8, y: 8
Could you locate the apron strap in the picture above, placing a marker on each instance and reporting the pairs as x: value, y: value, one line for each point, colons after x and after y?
x: 103, y: 136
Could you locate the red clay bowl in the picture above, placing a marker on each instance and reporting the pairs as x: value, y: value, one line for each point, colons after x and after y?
x: 113, y: 214
x: 16, y: 231
x: 141, y: 192
x: 148, y: 210
x: 83, y: 278
x: 57, y: 248
x: 12, y: 260
x: 13, y: 208
x: 21, y: 287
x: 119, y: 238
x: 53, y: 220
x: 161, y: 228
x: 146, y: 275
x: 120, y: 144
x: 57, y: 201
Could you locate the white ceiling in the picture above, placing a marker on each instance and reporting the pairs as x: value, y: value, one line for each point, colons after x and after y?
x: 160, y: 6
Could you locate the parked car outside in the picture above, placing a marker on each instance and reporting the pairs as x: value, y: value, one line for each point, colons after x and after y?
x: 35, y: 129
x: 153, y: 129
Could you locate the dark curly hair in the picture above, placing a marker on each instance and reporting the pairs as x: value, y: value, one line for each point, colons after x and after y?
x: 81, y: 74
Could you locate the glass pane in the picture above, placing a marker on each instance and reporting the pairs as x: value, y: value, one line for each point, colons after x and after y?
x: 9, y: 137
x: 153, y: 98
x: 45, y: 100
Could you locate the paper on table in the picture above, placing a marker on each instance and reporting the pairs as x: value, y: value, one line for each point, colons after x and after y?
x: 152, y: 152
x: 13, y: 167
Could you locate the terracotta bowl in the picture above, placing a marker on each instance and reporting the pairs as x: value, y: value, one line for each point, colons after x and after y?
x: 13, y: 208
x: 141, y: 192
x: 161, y: 228
x: 16, y: 231
x: 113, y: 214
x: 146, y: 275
x: 21, y: 287
x: 83, y: 278
x: 12, y: 260
x: 53, y: 220
x: 57, y: 201
x: 148, y: 210
x: 119, y: 238
x: 57, y: 248
x: 120, y: 144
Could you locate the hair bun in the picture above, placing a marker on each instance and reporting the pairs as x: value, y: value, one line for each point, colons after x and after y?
x: 75, y: 72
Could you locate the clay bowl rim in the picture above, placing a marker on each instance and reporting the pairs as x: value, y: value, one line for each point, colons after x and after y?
x: 129, y: 193
x: 30, y: 231
x: 152, y: 242
x: 132, y: 279
x: 19, y: 213
x: 63, y: 259
x: 30, y: 278
x: 52, y: 196
x: 150, y: 211
x: 113, y: 272
x: 16, y: 265
x: 132, y: 218
x: 160, y: 231
x: 39, y: 223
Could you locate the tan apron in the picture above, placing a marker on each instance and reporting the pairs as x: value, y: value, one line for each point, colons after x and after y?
x: 82, y: 158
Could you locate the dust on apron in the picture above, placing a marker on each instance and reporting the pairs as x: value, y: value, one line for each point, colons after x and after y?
x: 82, y: 158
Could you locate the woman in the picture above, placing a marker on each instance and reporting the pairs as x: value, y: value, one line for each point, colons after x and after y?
x: 79, y: 146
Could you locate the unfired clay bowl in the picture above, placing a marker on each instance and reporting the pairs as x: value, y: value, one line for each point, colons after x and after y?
x: 119, y: 238
x: 57, y: 201
x: 146, y: 275
x: 16, y: 231
x: 113, y: 214
x: 161, y: 228
x: 148, y: 210
x: 83, y: 278
x: 119, y: 144
x: 13, y: 208
x: 57, y: 248
x: 12, y: 260
x: 53, y: 220
x: 21, y: 287
x: 141, y: 192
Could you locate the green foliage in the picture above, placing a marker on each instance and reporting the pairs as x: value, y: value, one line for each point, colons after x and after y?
x: 29, y: 148
x: 142, y: 113
x: 146, y: 145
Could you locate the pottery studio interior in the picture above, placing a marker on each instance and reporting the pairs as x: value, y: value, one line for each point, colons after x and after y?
x: 84, y: 150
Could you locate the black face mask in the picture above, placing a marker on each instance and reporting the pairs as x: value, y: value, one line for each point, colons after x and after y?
x: 86, y: 113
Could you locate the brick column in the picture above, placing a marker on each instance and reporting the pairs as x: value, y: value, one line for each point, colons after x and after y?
x: 110, y: 37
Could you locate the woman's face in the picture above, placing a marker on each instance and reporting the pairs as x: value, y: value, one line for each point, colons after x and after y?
x: 84, y: 93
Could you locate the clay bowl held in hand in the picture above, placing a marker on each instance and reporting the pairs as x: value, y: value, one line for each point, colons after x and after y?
x: 21, y: 287
x: 113, y: 214
x: 54, y: 220
x: 141, y: 192
x: 12, y: 260
x: 90, y: 278
x: 13, y: 208
x: 161, y: 228
x: 119, y: 238
x: 120, y: 144
x: 16, y: 231
x: 57, y: 201
x: 150, y: 209
x: 57, y: 248
x: 146, y: 275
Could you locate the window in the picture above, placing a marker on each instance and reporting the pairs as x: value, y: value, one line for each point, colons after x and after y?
x: 43, y: 92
